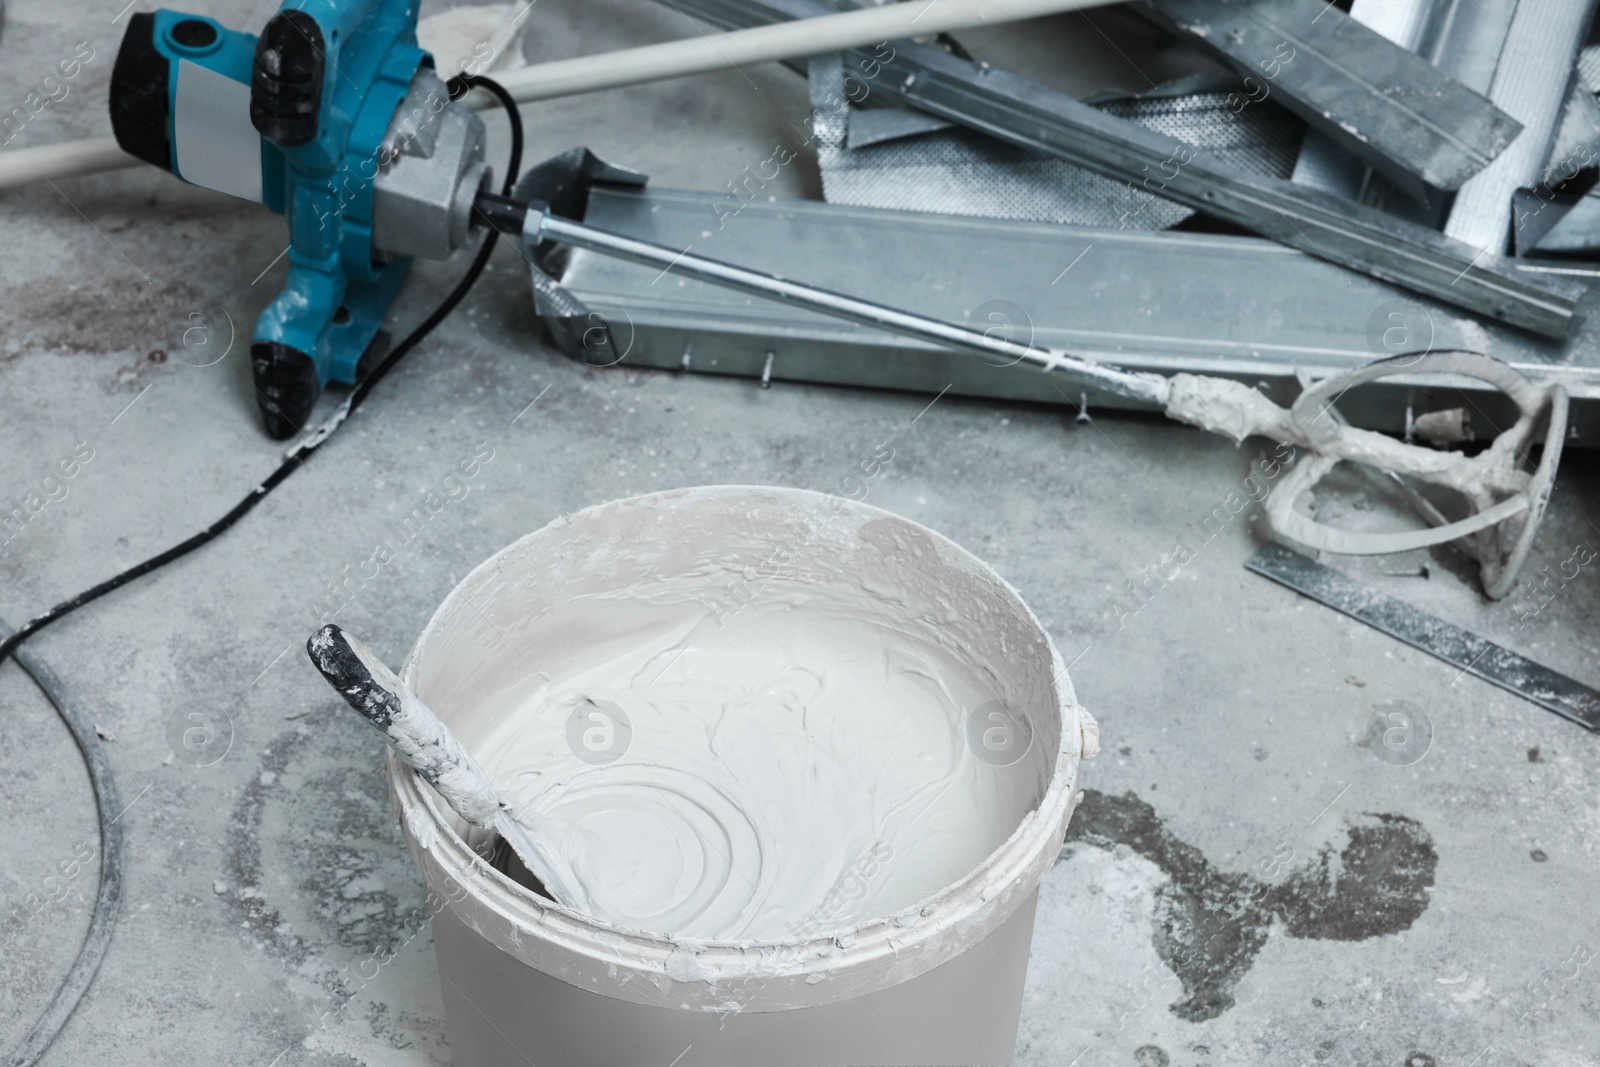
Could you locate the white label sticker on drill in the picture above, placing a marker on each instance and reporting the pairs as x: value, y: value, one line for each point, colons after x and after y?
x: 215, y: 144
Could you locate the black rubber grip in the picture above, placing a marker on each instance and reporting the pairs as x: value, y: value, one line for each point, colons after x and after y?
x: 286, y: 387
x: 286, y: 79
x: 139, y: 84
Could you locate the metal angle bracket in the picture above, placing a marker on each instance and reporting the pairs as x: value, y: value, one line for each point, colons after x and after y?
x: 1551, y: 690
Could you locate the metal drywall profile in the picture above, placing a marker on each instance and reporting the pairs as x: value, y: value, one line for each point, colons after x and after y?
x: 1165, y: 302
x: 1464, y: 38
x: 1567, y: 177
x: 1577, y: 141
x: 1408, y: 120
x: 1400, y: 21
x: 1574, y: 228
x: 956, y: 171
x: 1322, y: 163
x: 1531, y: 83
x: 1022, y: 112
x: 1015, y: 109
x: 1576, y: 233
x: 1551, y: 690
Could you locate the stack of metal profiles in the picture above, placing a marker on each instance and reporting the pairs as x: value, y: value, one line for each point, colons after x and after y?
x: 1409, y: 192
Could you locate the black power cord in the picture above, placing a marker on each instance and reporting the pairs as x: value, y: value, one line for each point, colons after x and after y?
x: 302, y: 452
x: 109, y: 893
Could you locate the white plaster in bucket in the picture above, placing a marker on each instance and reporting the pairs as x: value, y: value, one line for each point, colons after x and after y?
x: 505, y: 622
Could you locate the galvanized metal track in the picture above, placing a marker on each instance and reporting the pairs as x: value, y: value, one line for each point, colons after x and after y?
x: 1022, y: 112
x: 1238, y: 307
x: 1496, y: 664
x: 1389, y: 107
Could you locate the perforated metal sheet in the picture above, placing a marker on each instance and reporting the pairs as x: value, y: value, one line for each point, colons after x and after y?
x: 1589, y: 68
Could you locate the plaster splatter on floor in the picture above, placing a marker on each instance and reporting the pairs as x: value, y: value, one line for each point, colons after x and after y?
x: 1210, y: 924
x: 318, y: 880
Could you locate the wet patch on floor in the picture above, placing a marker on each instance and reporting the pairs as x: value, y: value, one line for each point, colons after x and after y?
x: 1210, y: 924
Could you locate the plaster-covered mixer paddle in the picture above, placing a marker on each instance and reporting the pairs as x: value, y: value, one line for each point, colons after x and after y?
x: 1505, y: 502
x: 428, y: 746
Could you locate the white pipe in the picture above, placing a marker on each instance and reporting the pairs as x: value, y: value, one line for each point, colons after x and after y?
x: 636, y: 66
x: 22, y: 166
x: 766, y: 44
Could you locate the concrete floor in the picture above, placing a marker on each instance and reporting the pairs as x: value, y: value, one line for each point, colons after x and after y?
x: 1365, y: 913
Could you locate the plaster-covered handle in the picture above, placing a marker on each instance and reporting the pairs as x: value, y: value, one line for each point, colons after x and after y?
x: 405, y: 722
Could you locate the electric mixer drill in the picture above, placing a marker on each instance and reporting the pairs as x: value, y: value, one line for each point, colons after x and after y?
x: 334, y: 118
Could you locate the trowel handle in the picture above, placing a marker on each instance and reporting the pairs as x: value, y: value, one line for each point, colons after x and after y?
x: 405, y: 722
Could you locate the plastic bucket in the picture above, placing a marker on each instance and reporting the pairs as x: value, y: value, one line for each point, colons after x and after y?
x: 938, y: 983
